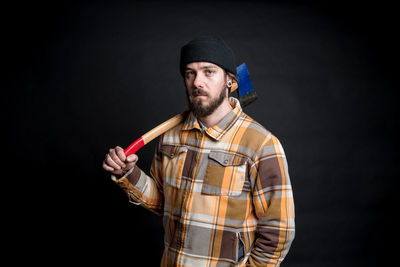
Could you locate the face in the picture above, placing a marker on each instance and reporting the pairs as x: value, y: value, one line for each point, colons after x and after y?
x: 206, y: 87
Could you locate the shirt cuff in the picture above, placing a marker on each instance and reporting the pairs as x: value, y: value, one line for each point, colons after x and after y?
x: 133, y: 183
x: 132, y: 175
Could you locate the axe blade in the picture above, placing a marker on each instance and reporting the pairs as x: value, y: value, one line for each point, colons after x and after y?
x: 246, y: 91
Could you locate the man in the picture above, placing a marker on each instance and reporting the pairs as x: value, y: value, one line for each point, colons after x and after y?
x: 219, y: 179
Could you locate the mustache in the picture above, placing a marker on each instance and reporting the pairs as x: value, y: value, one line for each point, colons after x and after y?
x: 199, y: 91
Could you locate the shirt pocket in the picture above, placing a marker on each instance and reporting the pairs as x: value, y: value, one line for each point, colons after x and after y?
x: 225, y: 174
x: 173, y: 161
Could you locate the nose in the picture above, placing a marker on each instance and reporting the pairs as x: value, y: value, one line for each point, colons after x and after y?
x: 198, y: 81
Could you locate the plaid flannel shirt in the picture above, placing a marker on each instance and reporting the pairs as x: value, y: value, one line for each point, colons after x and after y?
x: 224, y: 193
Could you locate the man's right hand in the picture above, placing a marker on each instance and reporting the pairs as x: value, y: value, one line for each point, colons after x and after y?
x: 117, y: 163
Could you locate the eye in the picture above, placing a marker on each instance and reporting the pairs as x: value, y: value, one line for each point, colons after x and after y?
x: 209, y: 72
x: 189, y: 73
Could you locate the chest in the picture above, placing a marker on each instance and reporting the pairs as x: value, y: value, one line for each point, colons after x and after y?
x: 208, y: 170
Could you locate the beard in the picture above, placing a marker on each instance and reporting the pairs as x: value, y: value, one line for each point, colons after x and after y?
x: 199, y: 109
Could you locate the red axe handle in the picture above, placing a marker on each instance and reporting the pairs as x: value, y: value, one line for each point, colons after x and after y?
x: 154, y: 133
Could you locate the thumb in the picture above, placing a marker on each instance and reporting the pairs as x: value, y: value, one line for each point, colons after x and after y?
x: 132, y: 158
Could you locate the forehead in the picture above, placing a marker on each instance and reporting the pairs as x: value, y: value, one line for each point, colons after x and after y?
x: 201, y: 65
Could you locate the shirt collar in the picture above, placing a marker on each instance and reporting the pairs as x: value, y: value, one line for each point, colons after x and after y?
x: 218, y: 130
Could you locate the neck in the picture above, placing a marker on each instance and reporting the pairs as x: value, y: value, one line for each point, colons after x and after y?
x: 217, y: 115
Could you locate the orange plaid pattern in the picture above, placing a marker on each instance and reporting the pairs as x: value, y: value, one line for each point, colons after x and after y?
x: 224, y: 193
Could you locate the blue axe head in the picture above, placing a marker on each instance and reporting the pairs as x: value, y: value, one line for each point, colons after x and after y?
x: 246, y: 92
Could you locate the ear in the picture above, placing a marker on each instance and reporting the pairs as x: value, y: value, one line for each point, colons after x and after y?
x: 229, y: 82
x: 229, y: 78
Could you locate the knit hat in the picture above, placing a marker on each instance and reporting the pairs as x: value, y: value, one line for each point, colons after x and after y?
x: 208, y: 49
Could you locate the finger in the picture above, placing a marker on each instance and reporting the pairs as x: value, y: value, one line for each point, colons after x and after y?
x: 117, y: 172
x: 120, y: 153
x: 107, y: 168
x: 115, y: 158
x: 110, y: 162
x: 130, y: 165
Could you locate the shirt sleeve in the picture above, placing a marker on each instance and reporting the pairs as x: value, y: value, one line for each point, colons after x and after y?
x: 143, y: 189
x: 274, y: 206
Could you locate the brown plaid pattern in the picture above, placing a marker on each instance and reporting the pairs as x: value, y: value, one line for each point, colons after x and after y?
x: 224, y: 193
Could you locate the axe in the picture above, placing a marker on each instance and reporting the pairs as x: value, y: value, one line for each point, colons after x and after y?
x: 246, y: 95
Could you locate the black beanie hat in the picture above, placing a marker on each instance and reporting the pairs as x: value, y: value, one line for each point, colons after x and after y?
x: 208, y: 49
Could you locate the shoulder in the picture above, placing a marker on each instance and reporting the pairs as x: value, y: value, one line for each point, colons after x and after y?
x: 256, y: 137
x: 172, y: 136
x: 255, y: 130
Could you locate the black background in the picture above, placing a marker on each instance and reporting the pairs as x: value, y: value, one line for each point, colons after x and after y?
x: 80, y: 77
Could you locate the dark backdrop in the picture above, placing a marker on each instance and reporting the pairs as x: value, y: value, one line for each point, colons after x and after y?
x: 80, y: 77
